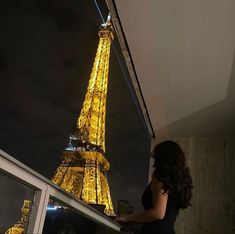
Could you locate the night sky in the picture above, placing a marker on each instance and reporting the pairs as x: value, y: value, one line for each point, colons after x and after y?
x: 47, y: 49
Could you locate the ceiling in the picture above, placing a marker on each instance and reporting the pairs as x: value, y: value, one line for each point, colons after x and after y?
x: 183, y: 54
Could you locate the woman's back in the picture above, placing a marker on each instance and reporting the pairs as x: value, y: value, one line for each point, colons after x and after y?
x: 166, y: 225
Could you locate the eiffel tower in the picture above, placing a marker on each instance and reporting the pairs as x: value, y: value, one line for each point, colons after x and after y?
x: 83, y: 170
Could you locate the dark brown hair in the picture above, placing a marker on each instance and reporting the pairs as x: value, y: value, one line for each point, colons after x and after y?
x: 172, y: 171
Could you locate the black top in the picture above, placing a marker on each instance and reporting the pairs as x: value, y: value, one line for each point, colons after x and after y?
x: 164, y: 226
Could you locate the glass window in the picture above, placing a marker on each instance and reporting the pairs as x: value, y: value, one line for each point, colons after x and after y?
x: 15, y: 202
x: 61, y: 219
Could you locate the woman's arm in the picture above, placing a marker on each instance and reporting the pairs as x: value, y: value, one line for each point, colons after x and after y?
x: 158, y: 210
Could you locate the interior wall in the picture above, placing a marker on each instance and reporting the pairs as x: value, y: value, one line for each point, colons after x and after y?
x: 212, y: 163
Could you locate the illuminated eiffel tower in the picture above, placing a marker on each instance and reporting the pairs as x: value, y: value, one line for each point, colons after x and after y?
x: 83, y: 170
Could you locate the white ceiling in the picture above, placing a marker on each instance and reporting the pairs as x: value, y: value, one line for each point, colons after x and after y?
x: 183, y: 52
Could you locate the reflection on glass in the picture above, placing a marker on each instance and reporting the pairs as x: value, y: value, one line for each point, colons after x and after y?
x: 63, y: 220
x: 15, y: 203
x: 20, y: 226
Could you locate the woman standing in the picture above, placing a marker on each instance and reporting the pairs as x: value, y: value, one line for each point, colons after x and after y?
x: 169, y: 190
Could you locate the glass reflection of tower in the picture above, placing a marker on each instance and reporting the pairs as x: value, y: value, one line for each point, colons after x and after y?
x: 83, y: 170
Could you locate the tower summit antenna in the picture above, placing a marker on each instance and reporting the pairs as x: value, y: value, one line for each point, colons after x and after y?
x: 108, y: 21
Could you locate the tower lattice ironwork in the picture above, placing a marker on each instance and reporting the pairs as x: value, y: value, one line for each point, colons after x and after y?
x: 83, y: 170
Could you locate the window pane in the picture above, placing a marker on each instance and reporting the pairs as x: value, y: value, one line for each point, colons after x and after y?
x: 61, y: 219
x: 15, y: 202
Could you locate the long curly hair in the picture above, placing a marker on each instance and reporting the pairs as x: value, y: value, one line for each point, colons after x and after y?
x: 172, y: 171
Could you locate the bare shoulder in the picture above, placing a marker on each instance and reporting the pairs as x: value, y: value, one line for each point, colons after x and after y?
x: 156, y: 185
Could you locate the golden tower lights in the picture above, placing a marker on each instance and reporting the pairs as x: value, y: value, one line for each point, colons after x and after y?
x: 83, y: 170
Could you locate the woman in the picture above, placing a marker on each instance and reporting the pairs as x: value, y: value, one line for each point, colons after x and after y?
x: 169, y: 190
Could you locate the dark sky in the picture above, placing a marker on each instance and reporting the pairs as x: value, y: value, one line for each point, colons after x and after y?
x: 47, y: 49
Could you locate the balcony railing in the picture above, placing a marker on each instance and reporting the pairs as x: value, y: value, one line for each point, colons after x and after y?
x: 51, y: 210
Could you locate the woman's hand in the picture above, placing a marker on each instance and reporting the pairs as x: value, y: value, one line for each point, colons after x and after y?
x: 122, y: 219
